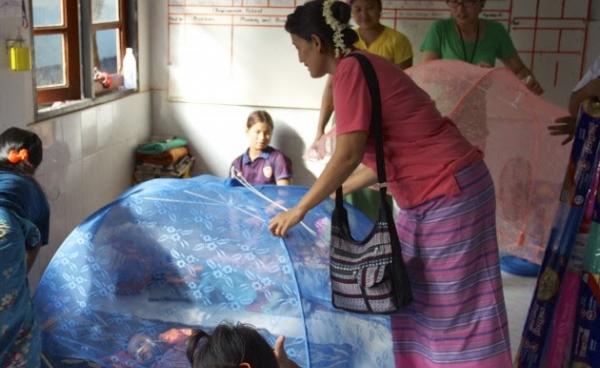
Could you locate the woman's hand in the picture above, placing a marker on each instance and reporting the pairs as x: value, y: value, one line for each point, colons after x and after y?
x: 515, y: 64
x: 532, y: 84
x: 282, y: 222
x: 281, y: 355
x: 316, y: 151
x: 564, y: 126
x: 349, y: 150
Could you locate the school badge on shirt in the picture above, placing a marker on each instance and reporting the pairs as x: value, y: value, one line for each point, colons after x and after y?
x: 267, y: 171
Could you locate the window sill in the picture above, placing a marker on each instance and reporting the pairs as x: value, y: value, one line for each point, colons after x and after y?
x: 67, y: 107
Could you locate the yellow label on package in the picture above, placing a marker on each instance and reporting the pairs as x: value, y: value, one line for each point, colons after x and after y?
x: 20, y: 59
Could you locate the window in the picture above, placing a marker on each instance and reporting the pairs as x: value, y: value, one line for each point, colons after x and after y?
x: 56, y: 42
x: 108, y: 35
x: 79, y: 47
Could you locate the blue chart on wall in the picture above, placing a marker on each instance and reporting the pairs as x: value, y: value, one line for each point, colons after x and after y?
x: 172, y: 254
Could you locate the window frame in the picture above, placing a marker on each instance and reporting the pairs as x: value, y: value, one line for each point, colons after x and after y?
x: 71, y: 56
x: 86, y: 95
x: 120, y: 25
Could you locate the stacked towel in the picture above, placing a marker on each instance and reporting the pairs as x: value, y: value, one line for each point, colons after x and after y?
x: 163, y: 158
x: 159, y: 146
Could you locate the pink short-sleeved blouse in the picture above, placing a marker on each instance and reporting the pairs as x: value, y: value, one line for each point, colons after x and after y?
x: 422, y: 149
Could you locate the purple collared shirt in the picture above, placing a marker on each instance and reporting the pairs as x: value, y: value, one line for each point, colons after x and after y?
x: 271, y: 165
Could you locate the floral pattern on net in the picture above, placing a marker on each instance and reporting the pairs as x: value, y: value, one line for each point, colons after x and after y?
x: 193, y: 253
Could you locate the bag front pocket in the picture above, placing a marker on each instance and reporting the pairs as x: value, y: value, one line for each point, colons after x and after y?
x: 372, y: 276
x: 377, y: 288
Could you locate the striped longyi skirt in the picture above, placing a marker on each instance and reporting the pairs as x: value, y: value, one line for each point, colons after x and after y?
x: 458, y: 317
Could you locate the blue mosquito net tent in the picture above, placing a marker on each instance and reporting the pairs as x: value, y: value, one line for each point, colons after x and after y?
x: 170, y: 254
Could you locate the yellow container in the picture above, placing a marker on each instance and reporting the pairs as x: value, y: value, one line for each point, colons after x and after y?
x: 20, y: 59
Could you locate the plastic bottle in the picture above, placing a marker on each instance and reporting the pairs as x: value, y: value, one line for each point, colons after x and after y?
x: 143, y: 348
x: 129, y: 70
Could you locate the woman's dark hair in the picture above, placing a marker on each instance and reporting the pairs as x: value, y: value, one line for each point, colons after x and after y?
x: 259, y: 116
x: 18, y: 139
x: 308, y: 19
x: 228, y: 347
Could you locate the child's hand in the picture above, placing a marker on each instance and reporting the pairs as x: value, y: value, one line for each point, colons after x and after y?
x: 281, y: 356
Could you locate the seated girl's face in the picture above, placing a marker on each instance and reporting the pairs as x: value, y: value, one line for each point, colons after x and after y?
x: 259, y: 136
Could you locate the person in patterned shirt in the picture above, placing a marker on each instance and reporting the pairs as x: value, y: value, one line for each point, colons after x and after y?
x: 24, y: 227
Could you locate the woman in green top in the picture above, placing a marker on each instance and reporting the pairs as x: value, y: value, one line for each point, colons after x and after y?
x: 476, y: 41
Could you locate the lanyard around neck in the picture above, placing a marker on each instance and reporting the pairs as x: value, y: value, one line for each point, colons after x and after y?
x: 464, y: 47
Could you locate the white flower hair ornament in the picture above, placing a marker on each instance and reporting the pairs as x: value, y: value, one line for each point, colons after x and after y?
x: 337, y: 27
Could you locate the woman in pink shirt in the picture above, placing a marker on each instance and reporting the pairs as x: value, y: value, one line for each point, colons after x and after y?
x: 447, y: 218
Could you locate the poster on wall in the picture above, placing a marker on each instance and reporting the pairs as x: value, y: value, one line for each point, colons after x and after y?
x: 237, y: 51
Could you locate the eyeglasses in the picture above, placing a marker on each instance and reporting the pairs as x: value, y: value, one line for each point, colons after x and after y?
x: 465, y: 3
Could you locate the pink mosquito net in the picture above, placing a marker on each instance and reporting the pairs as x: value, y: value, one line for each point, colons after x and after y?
x: 496, y: 112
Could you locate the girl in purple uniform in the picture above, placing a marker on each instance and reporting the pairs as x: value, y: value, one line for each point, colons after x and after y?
x: 261, y: 163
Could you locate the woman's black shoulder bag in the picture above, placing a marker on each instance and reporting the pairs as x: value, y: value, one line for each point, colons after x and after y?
x: 368, y: 276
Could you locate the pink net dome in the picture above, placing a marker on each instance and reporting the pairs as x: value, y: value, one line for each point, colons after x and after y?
x: 496, y: 112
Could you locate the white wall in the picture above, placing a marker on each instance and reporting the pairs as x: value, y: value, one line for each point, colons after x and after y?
x: 593, y: 42
x: 88, y: 154
x: 16, y: 89
x: 216, y: 132
x: 88, y: 162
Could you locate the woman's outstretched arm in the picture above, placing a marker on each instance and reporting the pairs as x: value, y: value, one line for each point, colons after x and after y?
x: 348, y: 154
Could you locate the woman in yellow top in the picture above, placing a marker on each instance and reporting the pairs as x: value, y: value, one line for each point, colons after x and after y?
x: 375, y: 38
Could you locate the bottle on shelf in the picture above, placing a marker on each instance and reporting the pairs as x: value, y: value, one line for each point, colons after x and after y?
x: 129, y: 70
